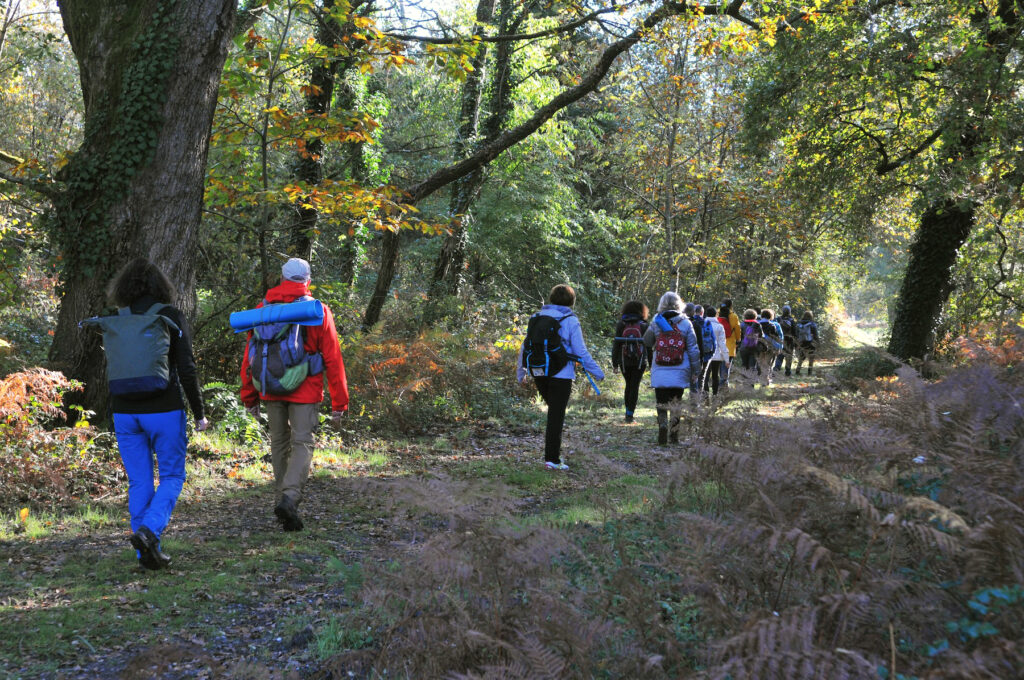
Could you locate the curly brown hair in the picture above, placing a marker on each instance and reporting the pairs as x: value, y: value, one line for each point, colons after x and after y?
x: 635, y: 307
x: 138, y: 279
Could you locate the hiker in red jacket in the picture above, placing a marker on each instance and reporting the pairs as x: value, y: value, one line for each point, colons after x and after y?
x: 293, y: 417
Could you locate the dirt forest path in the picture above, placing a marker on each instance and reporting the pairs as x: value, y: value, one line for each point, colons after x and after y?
x: 243, y: 599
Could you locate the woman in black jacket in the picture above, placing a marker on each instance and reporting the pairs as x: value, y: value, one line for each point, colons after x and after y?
x: 151, y: 427
x: 629, y: 354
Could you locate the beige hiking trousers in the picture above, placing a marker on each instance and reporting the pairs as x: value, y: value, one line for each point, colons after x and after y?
x: 291, y: 444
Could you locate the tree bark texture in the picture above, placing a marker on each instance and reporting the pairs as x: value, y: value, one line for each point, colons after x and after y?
x: 385, y: 275
x: 927, y: 281
x: 157, y: 213
x: 450, y: 259
x: 309, y: 166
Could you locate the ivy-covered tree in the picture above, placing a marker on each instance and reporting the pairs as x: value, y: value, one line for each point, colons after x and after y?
x: 906, y: 98
x: 149, y: 75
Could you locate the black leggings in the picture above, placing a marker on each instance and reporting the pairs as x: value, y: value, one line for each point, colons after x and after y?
x: 555, y: 393
x: 712, y: 371
x: 633, y: 376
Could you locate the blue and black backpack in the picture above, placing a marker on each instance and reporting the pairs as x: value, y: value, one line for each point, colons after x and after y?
x: 544, y: 355
x: 278, y: 360
x: 707, y: 338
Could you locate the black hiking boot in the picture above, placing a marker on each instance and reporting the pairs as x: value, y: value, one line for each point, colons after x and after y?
x: 288, y: 514
x: 150, y: 555
x: 628, y: 419
x: 673, y: 434
x: 662, y: 434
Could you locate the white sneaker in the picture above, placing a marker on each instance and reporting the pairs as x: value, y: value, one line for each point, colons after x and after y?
x: 555, y: 466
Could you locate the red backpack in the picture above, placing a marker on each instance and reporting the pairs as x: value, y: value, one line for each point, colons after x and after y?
x: 670, y: 346
x: 632, y: 345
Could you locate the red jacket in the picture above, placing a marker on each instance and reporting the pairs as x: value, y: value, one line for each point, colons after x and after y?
x: 323, y: 339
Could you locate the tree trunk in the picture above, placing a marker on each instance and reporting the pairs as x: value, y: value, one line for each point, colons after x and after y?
x: 926, y: 283
x: 309, y: 167
x: 452, y: 256
x: 385, y: 274
x: 150, y: 72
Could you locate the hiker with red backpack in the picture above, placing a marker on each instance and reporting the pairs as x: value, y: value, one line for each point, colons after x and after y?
x: 629, y: 354
x: 676, y: 362
x: 150, y: 364
x: 549, y: 354
x: 283, y: 369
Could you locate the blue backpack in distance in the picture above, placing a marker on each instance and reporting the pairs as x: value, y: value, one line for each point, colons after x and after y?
x: 708, y: 342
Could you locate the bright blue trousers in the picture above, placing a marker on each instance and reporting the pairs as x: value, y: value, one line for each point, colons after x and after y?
x: 145, y: 438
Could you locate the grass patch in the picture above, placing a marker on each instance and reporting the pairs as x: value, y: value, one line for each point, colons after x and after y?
x: 342, y: 632
x: 526, y: 480
x: 626, y: 495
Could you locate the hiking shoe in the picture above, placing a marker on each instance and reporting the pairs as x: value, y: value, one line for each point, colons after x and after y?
x: 555, y: 466
x: 288, y: 514
x: 662, y: 434
x: 150, y: 555
x: 159, y: 562
x: 628, y: 418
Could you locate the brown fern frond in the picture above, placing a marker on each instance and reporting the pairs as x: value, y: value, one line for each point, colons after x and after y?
x: 928, y: 535
x: 798, y: 629
x: 995, y: 553
x: 813, y: 664
x: 842, y: 489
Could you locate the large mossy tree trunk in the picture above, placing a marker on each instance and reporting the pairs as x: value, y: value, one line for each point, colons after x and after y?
x: 149, y: 72
x: 927, y: 282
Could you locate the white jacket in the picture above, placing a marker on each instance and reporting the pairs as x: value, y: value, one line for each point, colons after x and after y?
x: 721, y: 349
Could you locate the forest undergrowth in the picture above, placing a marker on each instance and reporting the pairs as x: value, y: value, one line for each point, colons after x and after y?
x: 810, y: 530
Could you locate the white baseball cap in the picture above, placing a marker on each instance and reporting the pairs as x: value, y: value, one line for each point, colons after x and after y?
x: 295, y: 269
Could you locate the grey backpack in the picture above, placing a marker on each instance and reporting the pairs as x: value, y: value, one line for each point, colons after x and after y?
x: 136, y: 346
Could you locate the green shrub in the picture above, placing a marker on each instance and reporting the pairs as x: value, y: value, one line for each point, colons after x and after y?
x: 866, y: 365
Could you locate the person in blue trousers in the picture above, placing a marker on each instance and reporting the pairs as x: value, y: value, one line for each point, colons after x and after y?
x: 152, y: 428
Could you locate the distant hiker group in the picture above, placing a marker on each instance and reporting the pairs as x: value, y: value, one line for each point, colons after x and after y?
x: 291, y: 346
x: 685, y: 347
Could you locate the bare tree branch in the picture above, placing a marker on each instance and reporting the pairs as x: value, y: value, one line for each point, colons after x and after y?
x: 563, y: 28
x: 590, y: 82
x: 885, y: 165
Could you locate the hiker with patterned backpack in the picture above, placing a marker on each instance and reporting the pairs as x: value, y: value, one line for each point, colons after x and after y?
x: 549, y: 354
x: 676, y: 364
x: 148, y: 349
x: 283, y: 369
x: 629, y: 354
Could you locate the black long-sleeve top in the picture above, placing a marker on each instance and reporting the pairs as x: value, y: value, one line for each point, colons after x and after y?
x: 182, y: 368
x: 617, y: 344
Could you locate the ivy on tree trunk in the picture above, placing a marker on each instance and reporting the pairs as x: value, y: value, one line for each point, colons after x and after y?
x: 135, y: 186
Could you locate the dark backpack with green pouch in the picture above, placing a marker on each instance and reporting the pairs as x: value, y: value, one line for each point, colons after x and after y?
x: 278, y: 360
